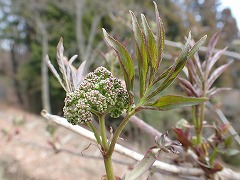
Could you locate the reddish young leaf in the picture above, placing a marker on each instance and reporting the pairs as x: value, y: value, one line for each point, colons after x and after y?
x: 182, y: 138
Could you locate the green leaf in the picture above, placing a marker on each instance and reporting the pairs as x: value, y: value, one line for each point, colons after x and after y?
x: 142, y: 166
x: 175, y: 69
x: 160, y: 36
x: 125, y: 60
x: 151, y: 45
x: 196, y: 47
x: 141, y: 52
x: 173, y: 101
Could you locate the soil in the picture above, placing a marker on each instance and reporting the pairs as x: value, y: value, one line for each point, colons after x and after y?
x: 28, y: 151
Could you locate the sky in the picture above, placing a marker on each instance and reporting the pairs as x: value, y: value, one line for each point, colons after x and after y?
x: 234, y: 5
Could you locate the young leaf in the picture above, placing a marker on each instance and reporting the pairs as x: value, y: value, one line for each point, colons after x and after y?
x: 62, y: 67
x: 216, y: 74
x: 160, y: 36
x: 151, y: 45
x: 173, y: 101
x: 142, y: 166
x: 187, y: 85
x: 215, y: 58
x: 196, y: 47
x: 55, y: 73
x: 175, y: 70
x: 182, y: 137
x: 141, y: 51
x: 124, y: 59
x: 212, y: 43
x: 215, y: 91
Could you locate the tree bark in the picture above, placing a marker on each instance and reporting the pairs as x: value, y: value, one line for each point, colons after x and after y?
x: 16, y: 83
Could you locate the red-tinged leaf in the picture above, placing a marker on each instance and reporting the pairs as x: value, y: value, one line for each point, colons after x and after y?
x: 224, y: 128
x: 212, y: 43
x: 160, y: 38
x: 151, y: 45
x: 215, y: 91
x: 182, y: 138
x: 125, y: 60
x: 215, y: 58
x: 192, y: 74
x: 172, y: 102
x: 216, y: 167
x: 187, y: 85
x: 216, y: 73
x: 196, y: 61
x: 141, y: 51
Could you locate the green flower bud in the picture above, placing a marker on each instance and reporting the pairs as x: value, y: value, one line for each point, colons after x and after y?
x: 99, y: 92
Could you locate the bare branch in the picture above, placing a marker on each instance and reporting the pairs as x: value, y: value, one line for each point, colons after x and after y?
x: 226, y: 173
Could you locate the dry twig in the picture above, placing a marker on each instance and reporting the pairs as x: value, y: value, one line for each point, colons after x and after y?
x: 173, y: 169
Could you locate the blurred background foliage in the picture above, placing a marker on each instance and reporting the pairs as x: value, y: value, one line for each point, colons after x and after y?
x: 29, y: 29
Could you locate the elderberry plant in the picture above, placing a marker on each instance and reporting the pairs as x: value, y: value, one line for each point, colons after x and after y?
x: 100, y: 93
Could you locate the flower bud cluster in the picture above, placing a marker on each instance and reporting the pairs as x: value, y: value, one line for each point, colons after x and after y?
x: 99, y: 92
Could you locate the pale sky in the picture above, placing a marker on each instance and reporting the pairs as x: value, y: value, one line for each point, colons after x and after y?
x: 234, y: 5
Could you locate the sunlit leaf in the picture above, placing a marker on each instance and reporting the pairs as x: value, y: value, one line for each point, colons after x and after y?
x: 175, y: 69
x: 61, y: 64
x: 141, y: 51
x: 125, y: 60
x: 173, y: 101
x: 151, y: 45
x: 160, y: 38
x: 196, y: 47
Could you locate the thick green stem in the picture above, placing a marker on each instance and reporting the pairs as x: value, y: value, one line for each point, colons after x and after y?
x: 109, y: 168
x: 107, y: 159
x: 103, y: 132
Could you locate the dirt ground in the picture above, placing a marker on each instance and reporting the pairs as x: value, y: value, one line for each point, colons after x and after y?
x: 26, y: 151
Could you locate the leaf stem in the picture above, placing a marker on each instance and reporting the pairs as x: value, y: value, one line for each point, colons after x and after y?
x: 119, y: 130
x: 91, y: 126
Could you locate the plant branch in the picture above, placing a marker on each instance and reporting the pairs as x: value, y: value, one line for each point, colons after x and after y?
x: 103, y: 132
x: 225, y: 173
x: 91, y: 126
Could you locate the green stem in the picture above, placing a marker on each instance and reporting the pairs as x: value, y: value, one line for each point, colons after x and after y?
x: 103, y: 132
x: 107, y: 159
x: 118, y: 132
x: 90, y: 125
x: 194, y: 116
x: 109, y: 168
